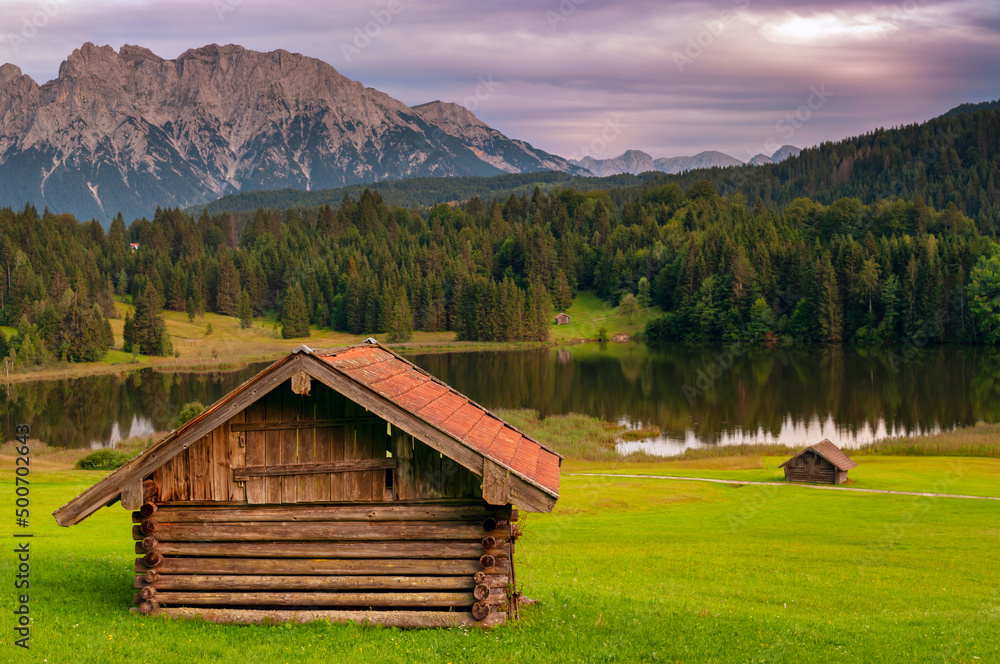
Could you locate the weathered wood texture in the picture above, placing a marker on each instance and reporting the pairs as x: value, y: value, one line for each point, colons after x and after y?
x: 440, y: 555
x: 401, y: 619
x: 289, y: 448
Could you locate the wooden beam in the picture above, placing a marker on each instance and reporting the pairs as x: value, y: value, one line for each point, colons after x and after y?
x: 400, y: 619
x: 281, y: 531
x: 254, y: 581
x: 111, y: 486
x: 333, y: 549
x: 313, y: 566
x: 301, y: 383
x: 465, y: 511
x: 496, y: 483
x: 132, y: 494
x: 246, y: 472
x: 415, y: 599
x: 304, y: 424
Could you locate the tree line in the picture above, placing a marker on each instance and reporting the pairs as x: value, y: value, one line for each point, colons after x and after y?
x: 497, y: 270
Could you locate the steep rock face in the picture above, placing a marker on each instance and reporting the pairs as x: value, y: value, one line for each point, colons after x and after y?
x: 507, y: 154
x: 129, y: 131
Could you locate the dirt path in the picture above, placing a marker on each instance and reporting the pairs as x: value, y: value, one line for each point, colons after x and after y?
x: 808, y: 486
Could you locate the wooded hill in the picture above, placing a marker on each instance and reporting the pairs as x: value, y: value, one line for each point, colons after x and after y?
x: 496, y: 270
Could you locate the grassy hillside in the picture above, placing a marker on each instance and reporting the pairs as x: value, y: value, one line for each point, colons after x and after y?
x: 589, y: 314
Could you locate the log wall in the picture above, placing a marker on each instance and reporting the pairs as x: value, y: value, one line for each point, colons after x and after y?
x: 413, y: 560
x: 317, y: 447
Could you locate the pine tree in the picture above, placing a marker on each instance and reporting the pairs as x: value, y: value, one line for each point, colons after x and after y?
x: 245, y: 311
x: 228, y: 296
x: 149, y: 326
x: 294, y: 317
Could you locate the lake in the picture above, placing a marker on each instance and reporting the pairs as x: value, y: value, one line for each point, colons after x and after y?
x: 697, y: 396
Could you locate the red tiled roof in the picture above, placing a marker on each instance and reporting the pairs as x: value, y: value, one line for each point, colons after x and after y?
x: 412, y: 389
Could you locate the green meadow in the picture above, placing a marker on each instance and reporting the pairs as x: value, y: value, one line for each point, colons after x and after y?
x: 624, y: 570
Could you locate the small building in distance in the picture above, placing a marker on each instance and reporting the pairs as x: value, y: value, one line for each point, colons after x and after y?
x: 822, y: 463
x: 340, y: 485
x: 562, y: 318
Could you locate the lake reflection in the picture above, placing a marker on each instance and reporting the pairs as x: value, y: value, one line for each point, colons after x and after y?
x: 696, y: 396
x: 702, y: 397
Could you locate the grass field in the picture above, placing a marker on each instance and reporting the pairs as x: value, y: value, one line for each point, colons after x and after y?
x: 625, y: 570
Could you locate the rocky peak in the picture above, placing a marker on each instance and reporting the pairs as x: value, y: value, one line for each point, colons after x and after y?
x: 128, y: 130
x: 443, y: 113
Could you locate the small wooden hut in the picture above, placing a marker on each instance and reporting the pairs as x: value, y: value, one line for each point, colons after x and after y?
x: 337, y: 485
x: 822, y: 463
x: 562, y: 318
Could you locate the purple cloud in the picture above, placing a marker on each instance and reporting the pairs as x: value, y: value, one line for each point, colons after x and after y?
x: 673, y: 77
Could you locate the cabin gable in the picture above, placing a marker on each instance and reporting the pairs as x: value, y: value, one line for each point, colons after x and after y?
x: 264, y: 455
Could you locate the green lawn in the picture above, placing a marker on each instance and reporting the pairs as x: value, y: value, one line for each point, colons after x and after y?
x: 589, y: 313
x: 957, y: 475
x: 626, y: 570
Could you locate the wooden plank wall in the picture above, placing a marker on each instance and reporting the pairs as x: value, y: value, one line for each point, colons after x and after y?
x: 204, y: 471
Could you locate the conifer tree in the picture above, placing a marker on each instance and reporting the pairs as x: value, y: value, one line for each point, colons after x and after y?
x: 294, y: 317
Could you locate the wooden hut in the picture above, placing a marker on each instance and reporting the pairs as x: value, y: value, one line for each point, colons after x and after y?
x: 822, y: 463
x: 562, y: 318
x: 336, y: 485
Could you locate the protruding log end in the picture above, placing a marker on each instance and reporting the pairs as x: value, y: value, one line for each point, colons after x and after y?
x: 148, y: 607
x: 490, y: 524
x: 148, y: 527
x: 148, y: 592
x: 151, y: 576
x: 137, y: 533
x: 490, y: 543
x: 150, y: 491
x: 149, y: 543
x: 480, y: 577
x: 488, y: 561
x: 481, y: 592
x: 152, y: 559
x: 147, y: 509
x: 137, y: 598
x: 480, y: 611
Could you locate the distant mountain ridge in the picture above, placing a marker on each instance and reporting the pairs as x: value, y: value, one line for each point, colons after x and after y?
x: 130, y: 131
x: 637, y: 161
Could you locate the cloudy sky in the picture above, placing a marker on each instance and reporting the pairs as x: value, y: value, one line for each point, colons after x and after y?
x: 594, y: 77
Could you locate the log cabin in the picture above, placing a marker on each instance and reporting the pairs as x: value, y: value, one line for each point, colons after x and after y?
x: 822, y: 463
x: 334, y: 485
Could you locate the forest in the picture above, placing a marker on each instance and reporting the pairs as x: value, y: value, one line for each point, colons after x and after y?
x: 918, y: 267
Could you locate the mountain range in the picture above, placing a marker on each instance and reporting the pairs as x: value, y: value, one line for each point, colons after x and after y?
x: 128, y: 131
x: 637, y: 161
